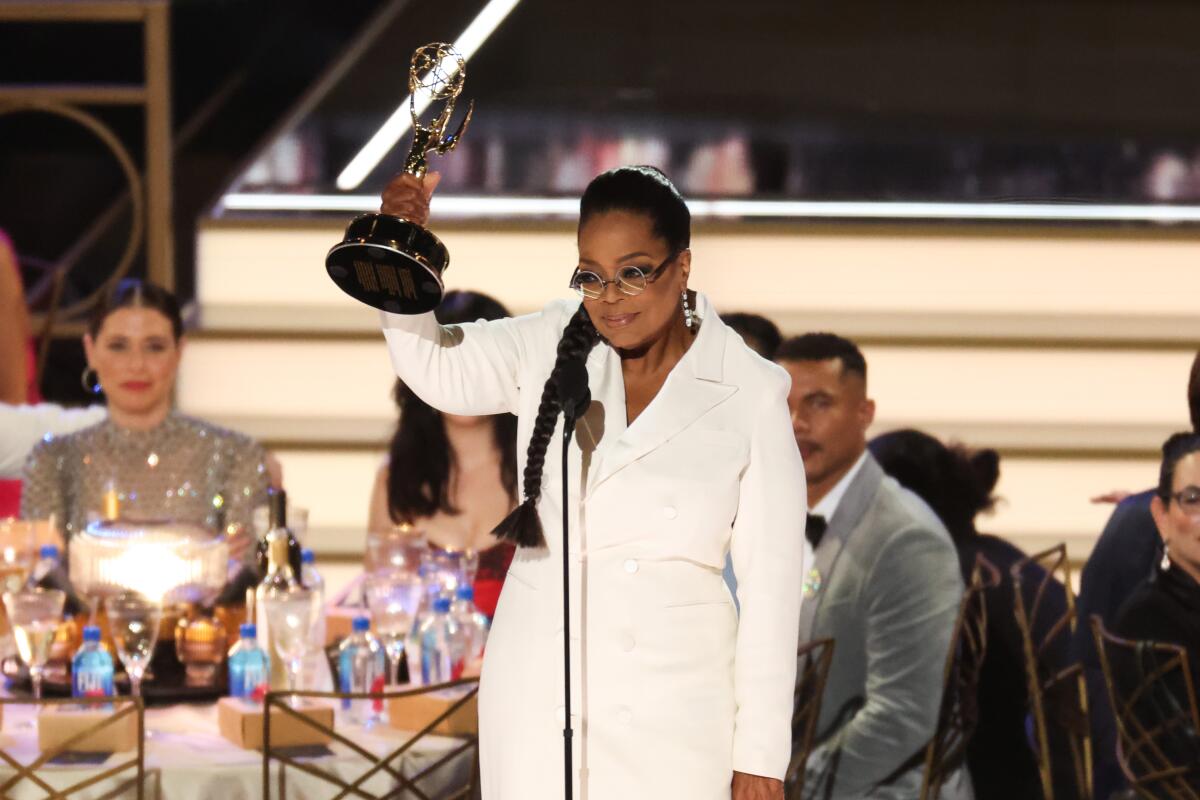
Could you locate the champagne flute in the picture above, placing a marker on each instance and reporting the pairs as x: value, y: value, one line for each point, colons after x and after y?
x: 135, y: 621
x: 289, y: 625
x: 393, y: 599
x: 34, y: 615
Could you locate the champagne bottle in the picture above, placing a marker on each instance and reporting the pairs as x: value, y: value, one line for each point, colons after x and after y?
x: 278, y: 576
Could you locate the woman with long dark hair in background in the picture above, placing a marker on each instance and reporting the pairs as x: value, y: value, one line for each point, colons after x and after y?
x: 452, y: 478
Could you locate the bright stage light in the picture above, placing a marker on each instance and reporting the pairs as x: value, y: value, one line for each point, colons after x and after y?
x: 508, y: 207
x: 398, y: 124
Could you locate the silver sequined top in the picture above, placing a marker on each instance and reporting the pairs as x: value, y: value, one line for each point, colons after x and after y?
x: 184, y: 470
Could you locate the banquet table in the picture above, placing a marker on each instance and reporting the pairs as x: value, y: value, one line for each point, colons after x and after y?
x: 187, y: 759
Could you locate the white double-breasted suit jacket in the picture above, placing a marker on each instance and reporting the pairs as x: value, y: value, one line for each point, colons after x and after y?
x: 671, y: 690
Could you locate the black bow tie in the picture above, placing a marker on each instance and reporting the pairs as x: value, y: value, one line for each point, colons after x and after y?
x: 815, y: 529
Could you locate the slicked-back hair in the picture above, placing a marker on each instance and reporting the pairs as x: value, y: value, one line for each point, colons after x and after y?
x: 136, y: 293
x: 824, y: 347
x: 1173, y: 451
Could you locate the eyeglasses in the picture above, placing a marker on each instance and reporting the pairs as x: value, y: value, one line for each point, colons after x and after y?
x: 1188, y: 500
x: 630, y: 280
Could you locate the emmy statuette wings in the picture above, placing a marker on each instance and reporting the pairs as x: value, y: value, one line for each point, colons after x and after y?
x: 391, y: 263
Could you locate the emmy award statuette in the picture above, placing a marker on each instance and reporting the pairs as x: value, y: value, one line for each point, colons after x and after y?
x: 391, y: 263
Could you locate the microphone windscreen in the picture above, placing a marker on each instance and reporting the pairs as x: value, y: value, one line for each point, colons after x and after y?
x: 573, y: 392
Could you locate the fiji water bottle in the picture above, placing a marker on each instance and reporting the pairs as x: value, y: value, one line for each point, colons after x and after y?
x: 92, y: 667
x: 249, y: 666
x: 443, y: 647
x: 362, y: 668
x: 47, y: 562
x: 473, y: 626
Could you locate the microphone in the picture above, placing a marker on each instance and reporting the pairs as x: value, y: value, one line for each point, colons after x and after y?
x: 573, y: 392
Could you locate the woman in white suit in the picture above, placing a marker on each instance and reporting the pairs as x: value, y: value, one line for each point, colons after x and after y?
x: 686, y: 454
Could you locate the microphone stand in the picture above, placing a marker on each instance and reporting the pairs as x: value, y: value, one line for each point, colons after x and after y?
x: 574, y: 398
x: 568, y: 733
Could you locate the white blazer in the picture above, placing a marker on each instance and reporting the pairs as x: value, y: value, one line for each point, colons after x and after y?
x: 671, y: 690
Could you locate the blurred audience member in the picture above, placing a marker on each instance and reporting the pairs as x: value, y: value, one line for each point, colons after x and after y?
x: 452, y: 478
x: 1166, y: 607
x: 17, y: 360
x: 759, y: 333
x: 23, y: 427
x: 885, y: 586
x: 159, y: 463
x: 958, y: 484
x: 1123, y: 558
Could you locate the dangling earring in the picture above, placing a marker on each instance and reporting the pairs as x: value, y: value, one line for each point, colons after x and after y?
x: 688, y: 318
x: 1165, y: 564
x: 85, y: 380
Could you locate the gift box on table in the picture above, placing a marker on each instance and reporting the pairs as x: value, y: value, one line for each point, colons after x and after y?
x: 57, y: 724
x: 414, y: 712
x: 241, y: 722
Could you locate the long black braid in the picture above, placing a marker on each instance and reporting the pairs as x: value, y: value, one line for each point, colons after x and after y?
x: 641, y: 190
x: 523, y: 526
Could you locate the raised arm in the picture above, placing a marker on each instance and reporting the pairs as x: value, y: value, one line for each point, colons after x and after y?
x: 769, y: 557
x: 468, y: 369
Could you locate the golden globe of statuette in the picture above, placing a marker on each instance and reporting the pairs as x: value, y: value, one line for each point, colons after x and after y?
x: 391, y: 263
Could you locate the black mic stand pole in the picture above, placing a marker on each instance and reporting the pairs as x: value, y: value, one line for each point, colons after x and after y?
x: 568, y: 733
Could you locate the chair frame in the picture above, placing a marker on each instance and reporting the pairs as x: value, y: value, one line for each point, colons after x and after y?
x: 1160, y: 778
x: 813, y: 659
x: 1056, y: 565
x: 959, y: 713
x: 380, y: 764
x: 123, y: 707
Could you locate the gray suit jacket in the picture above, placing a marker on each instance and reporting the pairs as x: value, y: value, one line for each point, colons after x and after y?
x: 888, y: 595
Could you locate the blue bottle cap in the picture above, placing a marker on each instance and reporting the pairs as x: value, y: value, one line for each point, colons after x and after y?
x: 361, y: 624
x: 464, y: 592
x: 441, y: 605
x: 307, y: 556
x: 48, y: 551
x: 91, y: 633
x: 248, y: 630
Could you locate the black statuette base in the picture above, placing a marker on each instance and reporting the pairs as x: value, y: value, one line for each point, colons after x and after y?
x: 390, y: 264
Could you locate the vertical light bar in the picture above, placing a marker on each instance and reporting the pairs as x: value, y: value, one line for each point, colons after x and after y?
x: 471, y: 39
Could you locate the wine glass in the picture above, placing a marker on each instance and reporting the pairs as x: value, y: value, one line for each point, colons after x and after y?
x: 393, y: 599
x: 34, y: 615
x: 289, y: 625
x: 135, y: 621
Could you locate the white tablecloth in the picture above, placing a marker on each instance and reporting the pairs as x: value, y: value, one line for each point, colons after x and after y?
x: 187, y: 759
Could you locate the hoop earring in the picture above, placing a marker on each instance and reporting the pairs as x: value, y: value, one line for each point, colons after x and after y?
x: 689, y: 319
x: 85, y: 380
x: 1165, y: 564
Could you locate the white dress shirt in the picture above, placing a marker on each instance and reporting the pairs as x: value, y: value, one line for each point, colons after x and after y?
x: 829, y: 503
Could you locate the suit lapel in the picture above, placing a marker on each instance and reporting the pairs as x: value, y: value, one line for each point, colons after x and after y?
x: 692, y: 388
x: 845, y: 521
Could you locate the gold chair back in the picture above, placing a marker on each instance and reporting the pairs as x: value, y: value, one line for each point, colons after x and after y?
x: 403, y: 785
x: 958, y: 717
x: 1057, y: 694
x: 1154, y: 702
x: 813, y: 660
x: 36, y: 772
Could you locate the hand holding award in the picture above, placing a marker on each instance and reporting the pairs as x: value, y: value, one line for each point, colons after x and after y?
x: 392, y: 262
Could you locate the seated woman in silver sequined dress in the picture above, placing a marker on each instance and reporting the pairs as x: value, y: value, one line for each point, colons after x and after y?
x: 161, y: 464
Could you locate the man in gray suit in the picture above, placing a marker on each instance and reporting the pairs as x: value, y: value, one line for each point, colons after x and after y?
x: 885, y: 586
